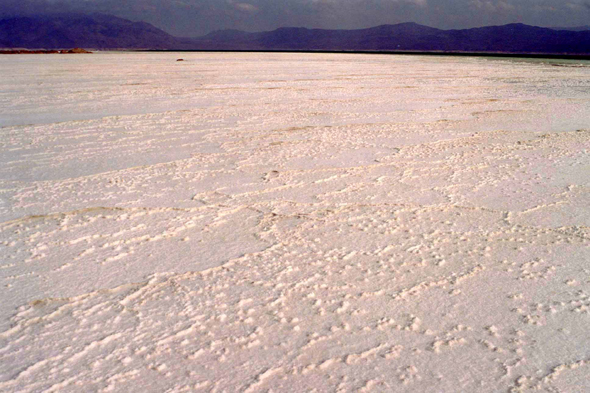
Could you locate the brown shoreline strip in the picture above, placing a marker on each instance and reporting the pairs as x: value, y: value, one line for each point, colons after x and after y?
x: 42, y: 51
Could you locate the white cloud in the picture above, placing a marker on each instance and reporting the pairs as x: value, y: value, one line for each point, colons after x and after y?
x: 492, y: 5
x: 246, y: 7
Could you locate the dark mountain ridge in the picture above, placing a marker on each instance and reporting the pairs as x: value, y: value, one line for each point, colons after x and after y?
x: 75, y: 30
x: 511, y: 38
x: 99, y: 31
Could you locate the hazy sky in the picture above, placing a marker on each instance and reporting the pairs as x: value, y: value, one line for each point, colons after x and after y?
x: 197, y: 17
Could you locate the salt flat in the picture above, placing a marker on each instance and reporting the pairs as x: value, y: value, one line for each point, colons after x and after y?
x: 291, y: 222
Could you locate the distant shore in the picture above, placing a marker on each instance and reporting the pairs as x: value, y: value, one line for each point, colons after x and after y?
x: 366, y: 52
x: 41, y: 51
x: 387, y: 52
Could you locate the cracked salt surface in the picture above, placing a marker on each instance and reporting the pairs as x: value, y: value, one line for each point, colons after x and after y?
x: 290, y: 222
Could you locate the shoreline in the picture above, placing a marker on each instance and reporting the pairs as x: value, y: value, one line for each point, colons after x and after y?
x: 43, y: 51
x: 549, y: 56
x: 386, y: 52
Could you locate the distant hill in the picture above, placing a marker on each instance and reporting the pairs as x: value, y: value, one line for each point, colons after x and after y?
x: 109, y: 32
x: 88, y: 31
x: 512, y: 38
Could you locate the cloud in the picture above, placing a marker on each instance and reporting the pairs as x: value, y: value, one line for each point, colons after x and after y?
x: 492, y: 5
x: 579, y: 5
x: 421, y: 3
x: 246, y: 7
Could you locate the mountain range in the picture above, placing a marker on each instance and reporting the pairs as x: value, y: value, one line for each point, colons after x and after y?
x: 96, y: 31
x: 100, y: 31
